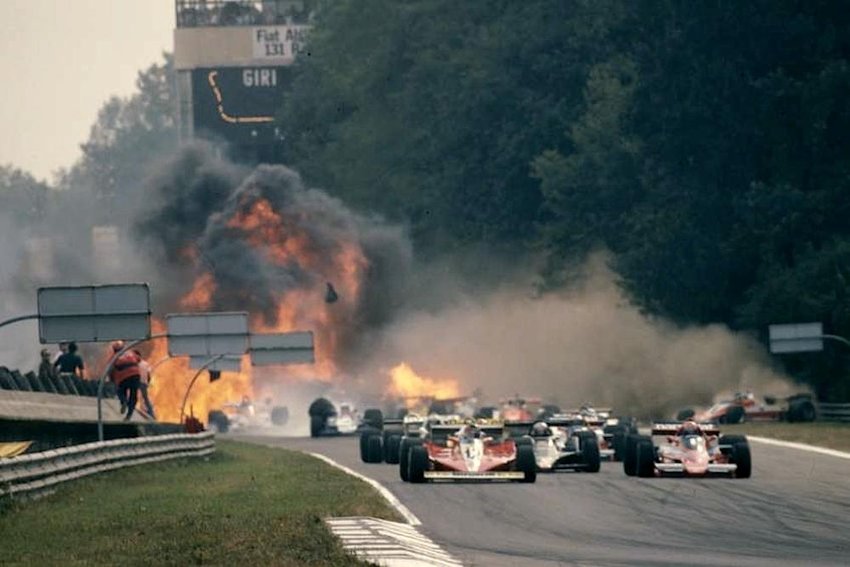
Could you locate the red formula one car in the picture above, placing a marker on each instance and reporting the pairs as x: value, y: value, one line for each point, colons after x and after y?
x: 687, y: 449
x: 470, y: 451
x: 744, y: 406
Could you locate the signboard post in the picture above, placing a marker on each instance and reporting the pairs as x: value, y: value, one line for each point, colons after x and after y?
x: 282, y: 348
x: 94, y: 313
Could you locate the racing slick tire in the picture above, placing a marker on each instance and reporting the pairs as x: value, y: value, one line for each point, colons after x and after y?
x: 735, y: 414
x: 279, y: 415
x: 645, y: 457
x: 364, y: 444
x: 404, y: 456
x: 630, y: 456
x: 801, y: 410
x: 218, y: 419
x: 741, y: 457
x: 317, y: 424
x: 391, y: 447
x: 619, y: 444
x: 374, y: 448
x: 374, y: 418
x: 685, y: 414
x: 590, y: 451
x: 526, y: 463
x: 418, y: 463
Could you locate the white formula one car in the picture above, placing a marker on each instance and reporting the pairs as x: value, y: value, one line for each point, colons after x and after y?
x: 565, y: 444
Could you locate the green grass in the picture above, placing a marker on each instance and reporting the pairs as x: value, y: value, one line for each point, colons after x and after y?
x: 829, y: 435
x: 244, y: 505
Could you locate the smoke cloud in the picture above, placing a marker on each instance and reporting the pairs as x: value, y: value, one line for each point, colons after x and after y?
x: 584, y: 345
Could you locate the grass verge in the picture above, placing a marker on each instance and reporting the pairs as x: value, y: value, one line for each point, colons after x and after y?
x: 244, y: 505
x: 829, y: 435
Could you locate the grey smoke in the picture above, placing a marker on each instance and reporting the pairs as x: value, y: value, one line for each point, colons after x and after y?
x: 584, y: 345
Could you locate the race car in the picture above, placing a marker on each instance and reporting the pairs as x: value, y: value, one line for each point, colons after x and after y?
x: 471, y: 451
x: 744, y: 406
x: 329, y: 419
x: 565, y: 444
x: 687, y: 448
x: 611, y: 432
x: 245, y: 414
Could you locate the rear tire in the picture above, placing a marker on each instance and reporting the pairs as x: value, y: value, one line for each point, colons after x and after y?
x: 374, y: 448
x: 526, y: 463
x: 218, y: 419
x: 374, y: 418
x: 801, y: 411
x: 391, y: 446
x: 685, y: 414
x: 619, y: 443
x: 418, y: 464
x: 590, y: 451
x: 630, y: 456
x: 364, y: 446
x: 735, y: 414
x: 741, y: 457
x: 279, y: 415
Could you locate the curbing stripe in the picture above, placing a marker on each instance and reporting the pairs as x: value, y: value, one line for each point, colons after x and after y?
x: 800, y: 447
x: 394, y: 502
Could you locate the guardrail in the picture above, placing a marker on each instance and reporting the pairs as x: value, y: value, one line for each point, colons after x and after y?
x: 40, y: 472
x: 834, y: 412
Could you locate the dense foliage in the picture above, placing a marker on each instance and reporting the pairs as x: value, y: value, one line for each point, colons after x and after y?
x: 702, y: 143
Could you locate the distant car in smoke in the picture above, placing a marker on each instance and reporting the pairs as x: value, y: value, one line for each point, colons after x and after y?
x: 329, y: 419
x: 744, y: 406
x: 247, y: 415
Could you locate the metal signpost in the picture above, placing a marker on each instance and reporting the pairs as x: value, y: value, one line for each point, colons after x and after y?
x: 800, y: 337
x: 94, y: 313
x: 796, y: 337
x: 282, y: 348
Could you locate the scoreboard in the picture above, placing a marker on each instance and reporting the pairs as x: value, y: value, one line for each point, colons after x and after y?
x: 239, y: 104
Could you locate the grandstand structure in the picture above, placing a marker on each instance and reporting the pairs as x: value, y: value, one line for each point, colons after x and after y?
x: 233, y: 62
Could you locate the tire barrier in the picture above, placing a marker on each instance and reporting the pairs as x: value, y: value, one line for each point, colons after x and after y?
x: 38, y: 473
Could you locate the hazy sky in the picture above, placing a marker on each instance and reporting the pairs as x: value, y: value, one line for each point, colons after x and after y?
x: 60, y: 61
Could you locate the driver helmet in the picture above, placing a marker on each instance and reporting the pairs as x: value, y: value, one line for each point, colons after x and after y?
x: 689, y: 427
x: 540, y: 429
x: 587, y: 411
x: 117, y: 345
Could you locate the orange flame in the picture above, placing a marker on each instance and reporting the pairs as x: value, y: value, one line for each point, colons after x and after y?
x: 406, y: 383
x: 281, y: 243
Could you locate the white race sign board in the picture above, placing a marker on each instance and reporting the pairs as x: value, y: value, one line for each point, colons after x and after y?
x: 278, y: 44
x: 269, y: 349
x: 796, y: 337
x: 94, y: 313
x: 207, y: 335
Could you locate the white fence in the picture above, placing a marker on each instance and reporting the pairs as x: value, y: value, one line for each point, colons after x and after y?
x: 39, y: 472
x: 834, y: 412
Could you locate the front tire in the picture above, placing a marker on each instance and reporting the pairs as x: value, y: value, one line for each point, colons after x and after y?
x: 645, y: 457
x: 526, y: 463
x: 590, y: 451
x: 630, y: 456
x: 418, y: 464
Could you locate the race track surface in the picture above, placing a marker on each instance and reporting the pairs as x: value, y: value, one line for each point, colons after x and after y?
x: 795, y: 510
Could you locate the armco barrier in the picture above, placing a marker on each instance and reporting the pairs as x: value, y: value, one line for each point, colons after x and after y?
x: 38, y: 472
x: 834, y: 412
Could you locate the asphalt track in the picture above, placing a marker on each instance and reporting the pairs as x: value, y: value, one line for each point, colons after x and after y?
x: 795, y: 510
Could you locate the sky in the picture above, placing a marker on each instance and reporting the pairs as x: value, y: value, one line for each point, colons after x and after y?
x: 60, y: 60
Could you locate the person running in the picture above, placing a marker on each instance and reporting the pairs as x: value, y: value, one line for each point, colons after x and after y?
x: 144, y: 382
x: 125, y: 374
x: 70, y: 363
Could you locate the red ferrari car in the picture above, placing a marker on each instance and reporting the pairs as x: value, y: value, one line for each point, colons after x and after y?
x: 469, y: 452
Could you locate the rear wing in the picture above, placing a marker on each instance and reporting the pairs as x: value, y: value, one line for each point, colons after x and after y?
x: 672, y: 427
x: 440, y: 433
x: 514, y: 429
x: 393, y: 424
